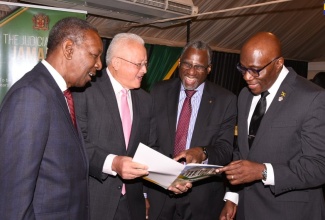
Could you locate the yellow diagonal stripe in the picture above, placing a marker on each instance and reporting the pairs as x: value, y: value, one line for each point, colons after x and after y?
x: 171, y: 71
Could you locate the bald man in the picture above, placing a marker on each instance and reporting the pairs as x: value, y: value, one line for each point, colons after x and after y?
x: 278, y: 169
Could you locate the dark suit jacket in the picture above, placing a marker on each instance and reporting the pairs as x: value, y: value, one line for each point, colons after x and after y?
x: 214, y: 128
x: 99, y: 118
x: 43, y: 163
x: 291, y: 137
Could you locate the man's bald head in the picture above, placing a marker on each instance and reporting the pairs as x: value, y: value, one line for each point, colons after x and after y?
x: 264, y: 44
x: 261, y: 60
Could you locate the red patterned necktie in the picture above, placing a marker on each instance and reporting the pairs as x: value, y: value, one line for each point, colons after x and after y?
x: 183, y: 123
x: 69, y: 98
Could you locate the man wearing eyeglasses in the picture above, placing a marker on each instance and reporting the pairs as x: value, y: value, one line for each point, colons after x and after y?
x: 279, y: 165
x: 115, y: 116
x: 209, y: 136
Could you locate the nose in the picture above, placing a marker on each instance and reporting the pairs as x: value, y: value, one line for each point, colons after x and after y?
x: 144, y: 68
x: 98, y: 64
x: 191, y: 70
x: 247, y: 76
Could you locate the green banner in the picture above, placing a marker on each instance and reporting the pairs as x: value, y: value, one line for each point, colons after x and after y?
x: 24, y: 33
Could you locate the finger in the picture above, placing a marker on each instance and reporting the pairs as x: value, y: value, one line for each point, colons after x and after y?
x: 180, y: 156
x: 174, y: 190
x: 139, y: 166
x: 189, y: 185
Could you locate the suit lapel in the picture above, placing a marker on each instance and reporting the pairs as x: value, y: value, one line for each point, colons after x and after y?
x: 275, y: 106
x: 243, y: 131
x: 172, y: 106
x: 58, y: 95
x: 206, y: 106
x: 135, y: 122
x: 108, y: 93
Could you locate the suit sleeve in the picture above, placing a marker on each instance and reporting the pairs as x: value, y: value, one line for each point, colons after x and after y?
x: 307, y: 168
x: 24, y: 129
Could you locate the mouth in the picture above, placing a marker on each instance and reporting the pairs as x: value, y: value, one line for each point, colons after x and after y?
x: 91, y: 74
x: 139, y: 78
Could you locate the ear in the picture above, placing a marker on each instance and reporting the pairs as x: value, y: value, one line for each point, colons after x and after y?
x: 209, y: 69
x: 116, y: 63
x: 67, y: 48
x: 279, y: 63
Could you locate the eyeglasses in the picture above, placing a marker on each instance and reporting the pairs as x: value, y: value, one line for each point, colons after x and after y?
x: 138, y: 65
x: 198, y: 68
x: 253, y: 72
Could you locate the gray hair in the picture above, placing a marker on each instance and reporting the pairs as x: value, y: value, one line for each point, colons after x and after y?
x: 199, y: 45
x: 118, y: 41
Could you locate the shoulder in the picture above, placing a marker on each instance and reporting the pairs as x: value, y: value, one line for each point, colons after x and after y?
x: 217, y: 90
x: 165, y: 85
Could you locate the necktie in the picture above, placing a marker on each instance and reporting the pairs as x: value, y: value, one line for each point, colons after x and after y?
x: 69, y: 98
x: 126, y: 122
x: 257, y: 117
x: 183, y: 123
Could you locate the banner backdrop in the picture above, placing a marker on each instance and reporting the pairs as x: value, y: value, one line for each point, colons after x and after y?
x: 24, y: 33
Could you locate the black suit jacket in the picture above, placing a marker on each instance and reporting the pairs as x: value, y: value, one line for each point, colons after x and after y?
x: 291, y: 137
x: 99, y: 118
x: 43, y: 163
x: 214, y: 128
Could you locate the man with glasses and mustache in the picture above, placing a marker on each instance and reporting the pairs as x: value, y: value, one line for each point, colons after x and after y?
x: 207, y: 136
x: 115, y: 116
x: 279, y: 165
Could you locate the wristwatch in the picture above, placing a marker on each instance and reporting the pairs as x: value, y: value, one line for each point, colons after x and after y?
x: 264, y: 174
x: 204, y: 149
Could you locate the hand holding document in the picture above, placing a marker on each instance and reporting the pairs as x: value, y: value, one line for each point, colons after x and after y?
x: 165, y: 171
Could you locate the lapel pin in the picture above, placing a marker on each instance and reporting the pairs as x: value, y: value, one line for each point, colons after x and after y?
x: 283, y: 94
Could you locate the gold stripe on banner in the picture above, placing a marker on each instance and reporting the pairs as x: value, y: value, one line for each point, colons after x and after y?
x: 13, y: 17
x: 171, y: 71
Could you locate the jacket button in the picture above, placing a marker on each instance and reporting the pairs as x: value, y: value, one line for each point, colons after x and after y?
x: 119, y: 187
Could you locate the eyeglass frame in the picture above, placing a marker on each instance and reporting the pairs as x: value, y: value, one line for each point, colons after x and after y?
x: 190, y: 66
x: 242, y: 69
x: 138, y: 65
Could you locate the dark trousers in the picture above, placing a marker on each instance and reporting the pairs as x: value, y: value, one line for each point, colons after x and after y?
x: 176, y: 208
x: 122, y: 212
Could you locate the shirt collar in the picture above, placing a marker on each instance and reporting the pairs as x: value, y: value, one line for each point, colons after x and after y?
x: 56, y: 75
x: 276, y: 85
x: 198, y: 89
x: 117, y: 87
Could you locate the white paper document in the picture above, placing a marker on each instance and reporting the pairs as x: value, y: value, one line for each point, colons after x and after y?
x: 165, y: 171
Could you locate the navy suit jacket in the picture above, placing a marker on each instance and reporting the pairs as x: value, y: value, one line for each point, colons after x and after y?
x: 214, y: 129
x: 291, y: 137
x: 43, y: 164
x: 99, y: 118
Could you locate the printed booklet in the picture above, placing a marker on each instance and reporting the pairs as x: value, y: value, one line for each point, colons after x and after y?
x: 165, y: 171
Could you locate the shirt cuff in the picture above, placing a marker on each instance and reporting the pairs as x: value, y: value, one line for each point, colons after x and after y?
x: 270, y: 175
x: 107, y: 168
x: 231, y: 196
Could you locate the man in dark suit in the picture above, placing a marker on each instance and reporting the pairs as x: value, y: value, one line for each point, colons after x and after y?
x: 43, y: 163
x: 100, y: 113
x: 279, y: 169
x: 210, y: 135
